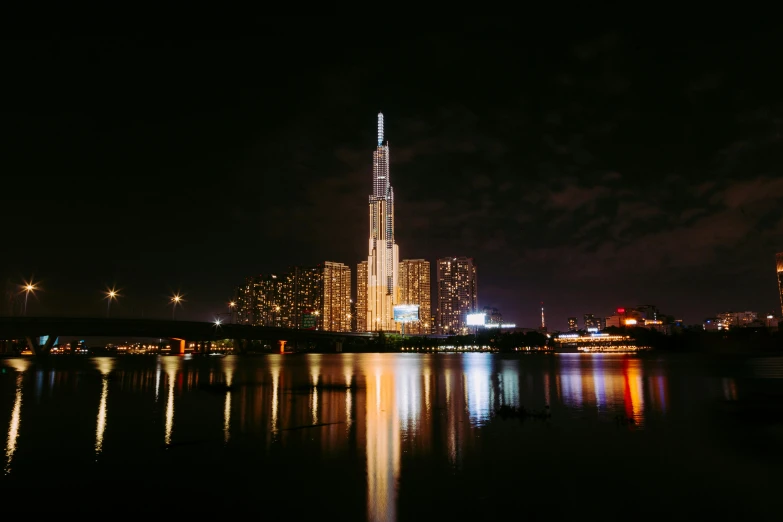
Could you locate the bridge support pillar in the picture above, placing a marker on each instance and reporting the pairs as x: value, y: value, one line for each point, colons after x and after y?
x: 37, y: 349
x: 338, y: 346
x: 282, y: 346
x: 178, y: 346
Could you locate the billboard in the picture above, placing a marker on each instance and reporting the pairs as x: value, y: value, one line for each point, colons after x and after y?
x: 477, y: 319
x: 309, y: 319
x: 406, y: 313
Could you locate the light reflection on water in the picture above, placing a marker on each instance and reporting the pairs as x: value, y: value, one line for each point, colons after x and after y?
x: 393, y: 410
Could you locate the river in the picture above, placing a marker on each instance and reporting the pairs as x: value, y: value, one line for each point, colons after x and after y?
x: 395, y: 436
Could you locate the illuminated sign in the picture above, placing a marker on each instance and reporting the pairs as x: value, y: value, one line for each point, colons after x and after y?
x: 477, y: 319
x: 592, y: 329
x: 630, y: 321
x: 621, y: 310
x: 495, y: 325
x: 406, y: 313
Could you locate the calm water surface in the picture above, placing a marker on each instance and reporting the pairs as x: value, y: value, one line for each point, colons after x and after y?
x: 395, y: 436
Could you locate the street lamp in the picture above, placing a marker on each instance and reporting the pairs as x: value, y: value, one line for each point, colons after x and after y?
x: 111, y: 295
x: 231, y: 307
x: 28, y: 287
x: 176, y: 299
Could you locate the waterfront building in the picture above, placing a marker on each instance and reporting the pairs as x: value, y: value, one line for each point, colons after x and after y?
x: 415, y: 289
x: 457, y: 293
x: 573, y: 326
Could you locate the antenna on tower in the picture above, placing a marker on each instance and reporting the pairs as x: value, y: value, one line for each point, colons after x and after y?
x: 543, y: 321
x: 380, y: 128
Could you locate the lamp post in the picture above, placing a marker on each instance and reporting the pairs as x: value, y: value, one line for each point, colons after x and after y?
x: 28, y: 288
x: 231, y: 306
x: 175, y: 300
x: 111, y: 295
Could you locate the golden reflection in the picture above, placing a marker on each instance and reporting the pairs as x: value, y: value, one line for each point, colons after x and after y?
x: 171, y: 366
x: 383, y: 445
x: 427, y: 387
x: 157, y: 381
x: 275, y: 370
x: 105, y: 366
x: 348, y: 372
x: 228, y: 367
x: 315, y: 372
x: 20, y: 366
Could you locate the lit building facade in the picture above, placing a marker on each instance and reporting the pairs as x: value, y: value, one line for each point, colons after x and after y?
x: 573, y: 326
x: 306, y: 293
x: 779, y: 263
x: 457, y: 293
x: 361, y: 297
x: 415, y: 288
x: 335, y: 314
x: 283, y: 300
x: 383, y: 258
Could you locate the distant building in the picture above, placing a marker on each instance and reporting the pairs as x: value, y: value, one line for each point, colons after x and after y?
x: 779, y: 263
x: 457, y: 293
x: 573, y: 326
x: 493, y: 315
x: 737, y: 319
x: 590, y: 322
x: 415, y: 289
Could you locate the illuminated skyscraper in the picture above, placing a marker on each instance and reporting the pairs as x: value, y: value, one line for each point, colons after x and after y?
x: 306, y: 292
x: 572, y: 324
x: 779, y: 262
x: 383, y: 259
x: 361, y: 297
x: 335, y: 314
x: 457, y: 293
x: 415, y: 289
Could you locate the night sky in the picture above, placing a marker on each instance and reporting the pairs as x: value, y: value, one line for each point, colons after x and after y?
x: 588, y: 169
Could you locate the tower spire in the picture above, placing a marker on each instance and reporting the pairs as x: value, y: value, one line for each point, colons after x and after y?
x: 380, y: 129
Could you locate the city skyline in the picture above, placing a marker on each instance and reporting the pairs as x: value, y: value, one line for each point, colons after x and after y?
x: 606, y: 168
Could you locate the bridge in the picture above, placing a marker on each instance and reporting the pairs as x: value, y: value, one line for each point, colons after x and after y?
x: 33, y: 328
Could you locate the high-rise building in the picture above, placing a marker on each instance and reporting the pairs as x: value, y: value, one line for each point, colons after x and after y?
x: 282, y: 300
x: 590, y: 321
x: 383, y: 259
x: 306, y: 292
x: 335, y: 313
x: 457, y: 293
x: 779, y: 263
x: 361, y: 297
x: 415, y: 289
x: 573, y: 326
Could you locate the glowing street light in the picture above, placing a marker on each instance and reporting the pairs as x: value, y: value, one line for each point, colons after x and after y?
x: 231, y: 306
x: 218, y: 322
x: 111, y: 295
x: 176, y: 299
x: 29, y: 287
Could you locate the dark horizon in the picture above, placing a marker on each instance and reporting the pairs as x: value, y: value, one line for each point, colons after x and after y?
x: 586, y: 169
